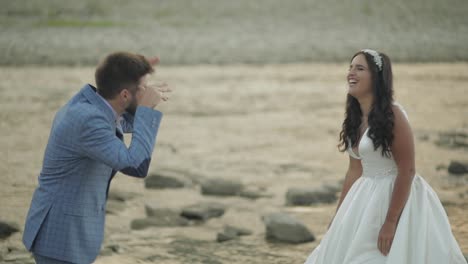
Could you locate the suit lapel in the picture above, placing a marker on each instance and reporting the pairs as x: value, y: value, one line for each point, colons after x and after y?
x: 89, y: 92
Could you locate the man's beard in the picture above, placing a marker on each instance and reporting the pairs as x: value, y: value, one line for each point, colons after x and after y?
x: 131, y: 109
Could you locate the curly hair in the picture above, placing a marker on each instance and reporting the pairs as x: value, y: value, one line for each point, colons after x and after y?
x: 381, y: 116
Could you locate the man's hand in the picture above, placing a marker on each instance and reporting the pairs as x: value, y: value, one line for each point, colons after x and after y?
x: 153, y: 61
x: 386, y: 235
x: 151, y: 95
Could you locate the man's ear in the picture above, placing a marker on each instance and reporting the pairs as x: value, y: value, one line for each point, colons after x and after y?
x: 124, y: 95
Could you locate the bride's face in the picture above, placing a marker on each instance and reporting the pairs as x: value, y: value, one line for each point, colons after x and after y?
x: 359, y: 77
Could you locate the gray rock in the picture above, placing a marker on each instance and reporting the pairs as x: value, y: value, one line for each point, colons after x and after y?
x: 333, y: 187
x: 251, y: 193
x: 458, y: 167
x: 423, y: 136
x: 155, y: 211
x: 453, y: 139
x: 158, y: 181
x: 226, y: 235
x: 281, y: 227
x: 232, y: 232
x: 306, y: 196
x: 221, y: 187
x: 110, y: 250
x: 441, y: 167
x: 237, y: 230
x: 120, y: 196
x: 166, y: 216
x: 165, y: 213
x: 116, y: 201
x: 114, y: 207
x: 142, y: 223
x: 7, y: 229
x: 159, y: 217
x: 203, y: 211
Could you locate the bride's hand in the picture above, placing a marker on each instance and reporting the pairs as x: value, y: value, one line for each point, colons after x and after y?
x: 386, y: 234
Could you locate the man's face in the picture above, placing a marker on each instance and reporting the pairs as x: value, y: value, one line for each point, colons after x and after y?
x: 134, y: 94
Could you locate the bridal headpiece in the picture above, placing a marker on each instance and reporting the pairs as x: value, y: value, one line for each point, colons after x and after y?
x: 376, y: 56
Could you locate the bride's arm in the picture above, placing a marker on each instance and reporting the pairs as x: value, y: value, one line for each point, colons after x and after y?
x: 403, y: 154
x: 353, y: 173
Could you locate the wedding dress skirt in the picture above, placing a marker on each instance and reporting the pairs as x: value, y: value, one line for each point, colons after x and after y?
x: 423, y: 234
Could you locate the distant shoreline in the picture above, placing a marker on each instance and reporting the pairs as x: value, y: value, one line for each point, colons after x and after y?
x: 226, y: 32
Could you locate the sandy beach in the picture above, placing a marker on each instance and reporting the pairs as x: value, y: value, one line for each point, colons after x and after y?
x: 270, y: 127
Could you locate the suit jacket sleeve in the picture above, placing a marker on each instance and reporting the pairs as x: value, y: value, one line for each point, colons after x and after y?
x: 98, y: 141
x: 127, y: 122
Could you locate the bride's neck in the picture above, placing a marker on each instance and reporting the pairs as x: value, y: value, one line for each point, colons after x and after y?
x: 365, y: 104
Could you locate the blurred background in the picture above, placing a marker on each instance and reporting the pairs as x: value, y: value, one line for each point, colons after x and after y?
x: 253, y: 123
x: 54, y: 32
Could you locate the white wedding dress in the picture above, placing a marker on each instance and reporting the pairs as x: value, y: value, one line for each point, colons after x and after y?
x: 423, y: 234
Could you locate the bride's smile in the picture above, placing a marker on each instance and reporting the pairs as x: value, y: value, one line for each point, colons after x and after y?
x: 359, y: 77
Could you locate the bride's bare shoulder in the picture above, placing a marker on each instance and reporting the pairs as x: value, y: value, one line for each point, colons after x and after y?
x: 399, y: 111
x: 401, y: 125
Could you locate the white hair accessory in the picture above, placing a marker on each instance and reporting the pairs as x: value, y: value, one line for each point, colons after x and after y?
x: 376, y: 56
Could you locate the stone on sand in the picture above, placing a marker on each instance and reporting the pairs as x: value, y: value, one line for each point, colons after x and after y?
x: 458, y: 167
x: 309, y: 196
x: 7, y: 229
x: 110, y: 250
x: 159, y: 181
x: 120, y: 196
x: 221, y: 187
x: 282, y: 227
x: 232, y: 232
x: 167, y: 215
x: 159, y: 217
x: 254, y: 193
x: 114, y: 207
x: 453, y: 139
x: 333, y: 187
x: 203, y: 211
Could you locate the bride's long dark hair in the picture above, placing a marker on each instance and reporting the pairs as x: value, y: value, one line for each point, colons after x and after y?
x: 381, y: 117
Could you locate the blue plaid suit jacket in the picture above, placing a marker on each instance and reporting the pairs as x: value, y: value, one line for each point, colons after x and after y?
x: 67, y: 213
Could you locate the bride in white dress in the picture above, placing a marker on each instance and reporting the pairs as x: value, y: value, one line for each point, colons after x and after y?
x: 387, y: 213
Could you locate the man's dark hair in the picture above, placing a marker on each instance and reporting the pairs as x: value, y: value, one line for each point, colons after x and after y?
x: 120, y: 70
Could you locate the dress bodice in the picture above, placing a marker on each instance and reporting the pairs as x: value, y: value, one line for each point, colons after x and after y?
x: 374, y: 164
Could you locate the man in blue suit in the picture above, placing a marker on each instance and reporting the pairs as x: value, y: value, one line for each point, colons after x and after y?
x: 65, y: 223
